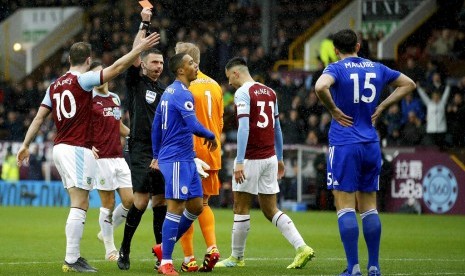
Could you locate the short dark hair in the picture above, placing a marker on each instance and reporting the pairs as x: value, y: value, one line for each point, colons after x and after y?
x: 79, y: 52
x: 176, y: 62
x: 235, y: 61
x: 145, y: 53
x: 345, y: 41
x: 95, y: 63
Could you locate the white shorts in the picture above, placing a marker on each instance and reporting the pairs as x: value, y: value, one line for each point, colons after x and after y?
x: 76, y: 166
x: 112, y: 174
x: 261, y: 177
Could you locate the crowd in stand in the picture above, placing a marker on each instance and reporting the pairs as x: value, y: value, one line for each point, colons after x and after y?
x: 235, y: 32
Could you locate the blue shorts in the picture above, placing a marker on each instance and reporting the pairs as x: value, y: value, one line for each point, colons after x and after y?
x: 181, y: 180
x: 354, y: 167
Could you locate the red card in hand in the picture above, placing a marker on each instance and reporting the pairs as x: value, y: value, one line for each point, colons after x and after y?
x: 146, y: 4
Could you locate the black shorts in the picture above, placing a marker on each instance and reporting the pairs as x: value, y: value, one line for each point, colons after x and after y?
x: 144, y: 179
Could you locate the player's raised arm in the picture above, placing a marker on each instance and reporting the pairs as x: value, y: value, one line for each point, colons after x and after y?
x: 146, y: 15
x: 125, y: 61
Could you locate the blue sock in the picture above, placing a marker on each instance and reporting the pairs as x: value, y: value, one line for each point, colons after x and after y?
x: 169, y: 232
x: 372, y: 233
x: 186, y: 221
x: 348, y: 229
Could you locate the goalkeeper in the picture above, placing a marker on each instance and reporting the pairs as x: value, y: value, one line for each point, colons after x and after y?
x: 208, y: 101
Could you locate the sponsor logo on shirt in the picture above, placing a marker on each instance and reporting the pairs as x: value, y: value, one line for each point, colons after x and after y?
x: 241, y: 106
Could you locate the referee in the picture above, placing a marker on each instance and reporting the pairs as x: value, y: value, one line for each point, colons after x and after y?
x: 143, y: 95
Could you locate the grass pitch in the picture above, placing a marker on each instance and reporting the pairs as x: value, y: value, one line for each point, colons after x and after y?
x: 32, y: 242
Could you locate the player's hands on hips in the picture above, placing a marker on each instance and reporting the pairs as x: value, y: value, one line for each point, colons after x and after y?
x: 281, y: 169
x: 95, y: 152
x: 211, y: 144
x: 23, y: 155
x: 378, y: 111
x: 146, y: 14
x: 201, y: 165
x: 342, y: 118
x: 239, y: 175
x: 154, y: 164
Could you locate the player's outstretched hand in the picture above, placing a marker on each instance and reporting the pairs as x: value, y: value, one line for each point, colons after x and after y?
x: 201, y: 166
x: 342, y: 118
x: 23, y: 155
x: 211, y: 144
x: 149, y: 41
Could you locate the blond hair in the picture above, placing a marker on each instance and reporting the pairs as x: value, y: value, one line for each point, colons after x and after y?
x: 188, y: 48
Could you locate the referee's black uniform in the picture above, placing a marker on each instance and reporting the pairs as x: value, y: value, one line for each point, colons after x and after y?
x: 143, y: 96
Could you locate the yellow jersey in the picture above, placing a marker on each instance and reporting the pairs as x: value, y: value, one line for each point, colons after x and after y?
x: 208, y: 102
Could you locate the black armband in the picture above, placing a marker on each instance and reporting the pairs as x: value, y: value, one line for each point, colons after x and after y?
x: 144, y: 25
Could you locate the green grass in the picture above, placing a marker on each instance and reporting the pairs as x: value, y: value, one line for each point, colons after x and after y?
x: 32, y: 242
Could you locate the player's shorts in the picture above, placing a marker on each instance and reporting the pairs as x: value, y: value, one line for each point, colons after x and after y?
x: 211, y: 184
x: 76, y: 166
x: 354, y: 167
x: 112, y: 174
x: 144, y: 179
x: 181, y: 180
x: 261, y: 177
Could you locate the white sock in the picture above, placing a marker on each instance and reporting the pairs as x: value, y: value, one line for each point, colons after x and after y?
x: 74, y: 229
x: 287, y: 228
x: 106, y: 226
x: 240, y: 231
x: 119, y: 215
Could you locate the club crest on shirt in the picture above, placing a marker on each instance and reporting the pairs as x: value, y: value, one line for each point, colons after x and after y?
x: 116, y: 112
x: 150, y: 96
x: 116, y: 101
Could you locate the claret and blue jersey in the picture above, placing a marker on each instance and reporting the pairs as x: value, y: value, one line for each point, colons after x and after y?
x: 356, y: 91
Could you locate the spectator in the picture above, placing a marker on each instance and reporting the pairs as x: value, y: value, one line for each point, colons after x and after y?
x: 414, y: 71
x: 455, y: 119
x: 436, y: 124
x: 294, y: 128
x: 413, y: 131
x: 327, y: 54
x: 10, y: 170
x: 411, y: 103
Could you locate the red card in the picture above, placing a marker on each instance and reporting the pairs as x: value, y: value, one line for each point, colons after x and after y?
x: 146, y: 4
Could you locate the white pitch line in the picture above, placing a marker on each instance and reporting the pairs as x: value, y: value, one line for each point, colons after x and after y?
x: 268, y: 259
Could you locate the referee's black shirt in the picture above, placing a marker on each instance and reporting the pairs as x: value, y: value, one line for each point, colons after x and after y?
x: 143, y: 96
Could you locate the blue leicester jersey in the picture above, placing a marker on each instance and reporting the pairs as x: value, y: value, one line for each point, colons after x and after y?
x: 356, y: 91
x: 175, y: 118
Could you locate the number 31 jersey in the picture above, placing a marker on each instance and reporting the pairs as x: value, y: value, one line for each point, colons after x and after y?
x: 258, y: 102
x: 70, y: 100
x: 357, y: 87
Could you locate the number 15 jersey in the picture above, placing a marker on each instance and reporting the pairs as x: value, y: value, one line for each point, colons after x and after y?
x: 358, y: 84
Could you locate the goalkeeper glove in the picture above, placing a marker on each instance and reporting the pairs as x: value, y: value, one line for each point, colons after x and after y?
x: 201, y: 165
